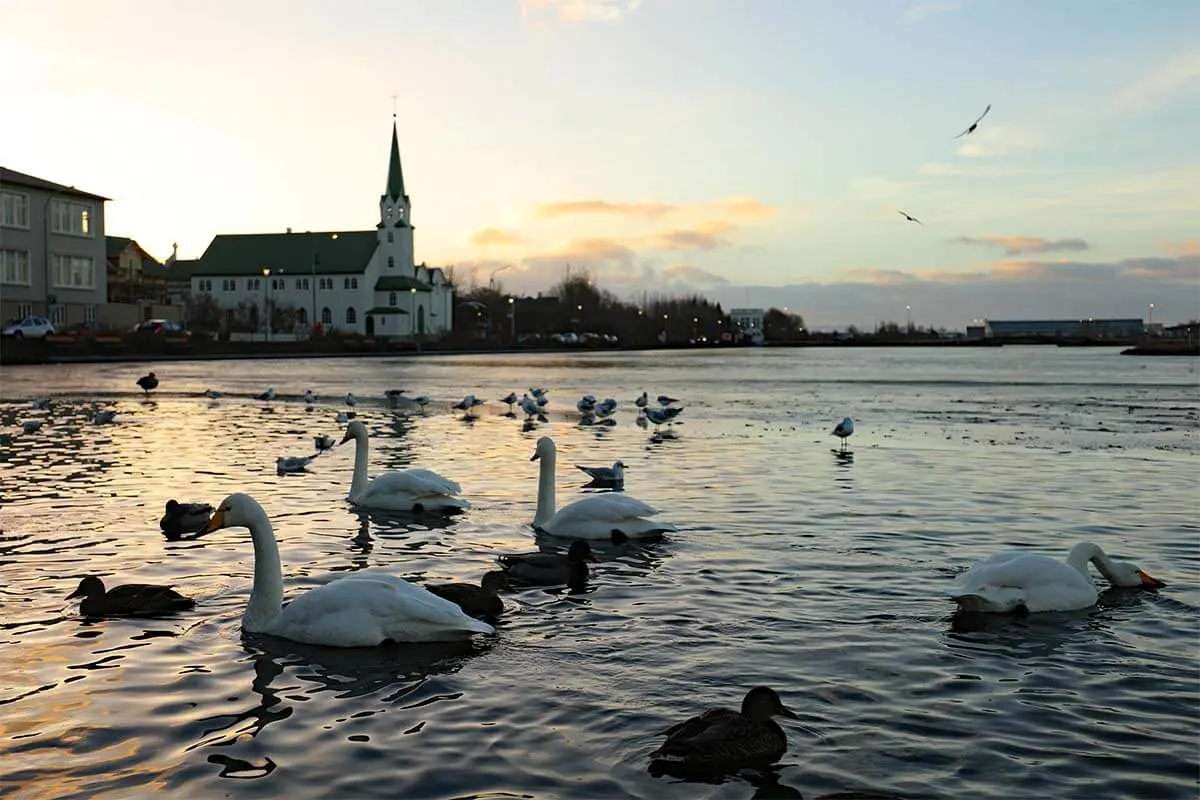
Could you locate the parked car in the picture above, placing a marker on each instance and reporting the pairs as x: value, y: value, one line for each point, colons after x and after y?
x: 162, y: 327
x: 28, y: 328
x: 83, y: 331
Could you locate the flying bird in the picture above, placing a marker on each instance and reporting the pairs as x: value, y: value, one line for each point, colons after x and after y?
x: 909, y: 217
x: 975, y: 124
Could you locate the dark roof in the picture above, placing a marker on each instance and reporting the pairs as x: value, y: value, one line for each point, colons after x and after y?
x: 395, y: 183
x: 378, y: 310
x: 337, y: 252
x: 181, y: 269
x: 13, y: 178
x: 400, y: 283
x: 115, y: 245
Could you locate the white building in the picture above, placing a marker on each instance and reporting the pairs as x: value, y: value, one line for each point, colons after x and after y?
x: 362, y: 282
x: 748, y: 323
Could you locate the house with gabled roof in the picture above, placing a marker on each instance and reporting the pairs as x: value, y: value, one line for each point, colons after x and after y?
x: 363, y: 282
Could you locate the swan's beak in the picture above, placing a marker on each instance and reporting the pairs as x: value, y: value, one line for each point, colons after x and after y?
x: 346, y: 438
x: 534, y: 457
x: 216, y: 523
x: 1148, y: 581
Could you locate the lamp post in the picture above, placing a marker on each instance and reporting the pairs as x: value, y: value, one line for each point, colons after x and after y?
x: 908, y: 311
x: 266, y: 271
x: 512, y: 319
x: 1151, y: 325
x: 412, y: 311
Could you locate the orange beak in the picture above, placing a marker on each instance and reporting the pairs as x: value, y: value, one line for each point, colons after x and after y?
x: 1148, y: 581
x: 216, y: 523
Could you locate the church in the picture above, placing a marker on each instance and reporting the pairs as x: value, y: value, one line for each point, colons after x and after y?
x: 363, y: 282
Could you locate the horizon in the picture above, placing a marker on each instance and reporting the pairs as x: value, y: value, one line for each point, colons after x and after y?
x: 760, y: 155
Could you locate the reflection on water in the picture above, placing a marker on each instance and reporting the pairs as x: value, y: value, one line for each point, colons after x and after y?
x: 821, y: 575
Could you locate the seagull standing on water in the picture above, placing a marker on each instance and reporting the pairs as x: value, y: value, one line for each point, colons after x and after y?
x: 268, y: 395
x: 148, y: 383
x: 843, y: 431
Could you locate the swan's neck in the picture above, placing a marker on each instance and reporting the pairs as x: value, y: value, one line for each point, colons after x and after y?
x: 266, y: 597
x: 1084, y: 552
x: 546, y: 499
x: 358, y: 483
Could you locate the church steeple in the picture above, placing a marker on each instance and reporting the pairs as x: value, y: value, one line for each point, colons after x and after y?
x: 395, y: 179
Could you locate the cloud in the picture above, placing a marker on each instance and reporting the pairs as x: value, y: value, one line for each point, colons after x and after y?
x: 746, y: 208
x: 922, y: 10
x: 1166, y: 79
x: 693, y: 275
x: 706, y: 236
x: 494, y: 237
x: 572, y: 207
x: 1188, y: 247
x: 1017, y: 245
x: 576, y: 11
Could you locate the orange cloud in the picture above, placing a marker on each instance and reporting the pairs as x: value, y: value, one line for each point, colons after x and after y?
x: 494, y: 237
x: 1018, y: 245
x: 571, y: 207
x: 746, y: 208
x: 705, y: 236
x: 1188, y: 247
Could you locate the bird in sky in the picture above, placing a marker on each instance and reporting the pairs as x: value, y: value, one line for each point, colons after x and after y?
x: 909, y: 217
x: 975, y: 124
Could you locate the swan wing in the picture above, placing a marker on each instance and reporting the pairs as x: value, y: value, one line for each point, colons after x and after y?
x: 367, y: 609
x: 418, y: 482
x: 607, y: 507
x: 1007, y: 580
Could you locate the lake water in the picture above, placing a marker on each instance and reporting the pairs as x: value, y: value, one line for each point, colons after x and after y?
x: 817, y: 574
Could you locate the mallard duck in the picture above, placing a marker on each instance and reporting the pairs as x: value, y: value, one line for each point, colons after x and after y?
x: 550, y: 569
x: 181, y: 518
x: 148, y: 383
x: 479, y: 600
x: 130, y: 600
x: 722, y: 739
x: 362, y: 609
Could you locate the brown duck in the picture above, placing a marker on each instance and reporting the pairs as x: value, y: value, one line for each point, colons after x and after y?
x: 723, y: 739
x: 130, y: 600
x: 479, y: 600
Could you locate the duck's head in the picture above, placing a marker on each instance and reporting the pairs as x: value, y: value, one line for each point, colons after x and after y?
x: 91, y: 586
x: 761, y: 703
x: 494, y: 580
x: 236, y: 511
x: 545, y: 449
x: 580, y: 551
x: 173, y: 506
x: 354, y: 430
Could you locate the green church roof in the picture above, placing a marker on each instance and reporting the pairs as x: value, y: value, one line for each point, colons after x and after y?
x: 336, y: 252
x: 395, y: 182
x: 400, y: 283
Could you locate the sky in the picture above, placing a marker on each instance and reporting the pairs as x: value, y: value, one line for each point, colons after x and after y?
x: 754, y: 151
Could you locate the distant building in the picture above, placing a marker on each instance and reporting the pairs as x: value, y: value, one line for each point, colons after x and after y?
x: 134, y: 276
x: 52, y: 250
x: 747, y: 324
x: 362, y: 282
x: 1091, y: 328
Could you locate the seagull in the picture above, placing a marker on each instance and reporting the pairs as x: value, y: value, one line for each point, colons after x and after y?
x: 642, y: 400
x: 586, y: 404
x: 309, y: 397
x: 212, y: 394
x: 843, y: 431
x: 606, y: 407
x: 324, y: 443
x: 343, y: 417
x: 529, y: 406
x: 41, y: 402
x: 660, y: 416
x: 148, y: 382
x: 664, y: 400
x: 292, y: 464
x: 105, y: 416
x: 975, y: 124
x: 613, y: 474
x: 468, y: 402
x: 511, y: 400
x: 268, y: 395
x: 32, y: 426
x: 909, y: 217
x: 350, y: 401
x: 421, y: 400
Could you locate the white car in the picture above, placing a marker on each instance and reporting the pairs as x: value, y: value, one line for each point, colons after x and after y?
x: 28, y: 328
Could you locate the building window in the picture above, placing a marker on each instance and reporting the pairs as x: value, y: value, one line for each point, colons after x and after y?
x: 354, y: 283
x: 325, y: 283
x: 14, y: 210
x: 326, y: 316
x: 58, y: 315
x: 228, y: 285
x: 390, y: 237
x: 277, y: 284
x: 392, y: 299
x: 74, y: 272
x: 345, y: 283
x: 205, y: 285
x: 69, y: 216
x: 302, y: 316
x: 89, y: 313
x: 351, y: 317
x: 24, y: 310
x: 14, y: 267
x: 391, y: 263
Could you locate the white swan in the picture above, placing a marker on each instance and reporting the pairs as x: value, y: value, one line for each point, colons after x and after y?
x: 1011, y: 581
x: 597, y: 516
x: 407, y: 490
x: 363, y: 609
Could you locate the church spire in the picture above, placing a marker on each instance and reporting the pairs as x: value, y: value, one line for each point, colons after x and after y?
x: 395, y: 180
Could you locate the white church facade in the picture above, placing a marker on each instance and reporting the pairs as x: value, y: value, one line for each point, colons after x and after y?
x: 363, y: 282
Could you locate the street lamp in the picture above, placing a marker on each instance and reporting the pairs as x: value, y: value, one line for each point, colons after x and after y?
x: 512, y: 318
x: 266, y: 271
x: 412, y: 311
x: 1151, y: 315
x: 908, y: 311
